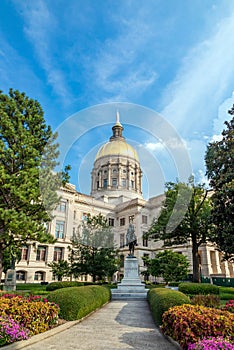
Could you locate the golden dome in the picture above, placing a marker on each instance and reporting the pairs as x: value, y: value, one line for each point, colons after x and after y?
x: 117, y: 147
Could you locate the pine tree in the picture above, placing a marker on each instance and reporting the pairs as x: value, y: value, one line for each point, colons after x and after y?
x: 28, y: 184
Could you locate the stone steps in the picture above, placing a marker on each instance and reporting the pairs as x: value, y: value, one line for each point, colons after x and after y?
x: 118, y: 295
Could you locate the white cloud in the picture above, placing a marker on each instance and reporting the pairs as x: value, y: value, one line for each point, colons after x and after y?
x: 157, y: 146
x: 216, y: 138
x: 171, y: 143
x: 191, y: 101
x: 40, y: 25
x: 201, y: 178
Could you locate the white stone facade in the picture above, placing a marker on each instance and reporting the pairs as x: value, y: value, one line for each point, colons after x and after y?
x: 116, y: 194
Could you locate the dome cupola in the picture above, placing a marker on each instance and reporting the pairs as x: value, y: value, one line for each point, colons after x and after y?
x: 116, y: 170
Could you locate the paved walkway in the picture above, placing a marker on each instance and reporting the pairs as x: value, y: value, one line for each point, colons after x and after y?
x: 118, y: 325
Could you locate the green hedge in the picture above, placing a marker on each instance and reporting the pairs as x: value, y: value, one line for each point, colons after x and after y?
x: 161, y: 299
x: 58, y: 285
x: 77, y: 302
x: 190, y: 289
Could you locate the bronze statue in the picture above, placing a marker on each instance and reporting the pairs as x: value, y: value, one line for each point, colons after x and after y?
x: 131, y: 239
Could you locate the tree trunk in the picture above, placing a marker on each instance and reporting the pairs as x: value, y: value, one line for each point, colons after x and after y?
x: 196, y: 271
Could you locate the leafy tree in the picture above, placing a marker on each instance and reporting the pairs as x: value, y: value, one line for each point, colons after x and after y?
x: 170, y: 265
x: 60, y: 269
x: 181, y: 221
x: 220, y: 170
x: 28, y: 154
x: 93, y: 251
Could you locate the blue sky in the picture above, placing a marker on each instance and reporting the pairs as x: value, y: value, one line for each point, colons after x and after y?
x: 79, y: 58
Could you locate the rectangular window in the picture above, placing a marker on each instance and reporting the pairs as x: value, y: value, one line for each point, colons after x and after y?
x: 132, y: 184
x: 105, y: 183
x: 124, y: 182
x: 97, y: 184
x: 59, y: 230
x: 111, y: 222
x: 122, y: 221
x: 121, y: 240
x: 74, y: 215
x: 144, y: 219
x: 131, y: 219
x: 114, y: 182
x: 58, y: 254
x: 24, y: 253
x: 41, y: 253
x: 62, y: 206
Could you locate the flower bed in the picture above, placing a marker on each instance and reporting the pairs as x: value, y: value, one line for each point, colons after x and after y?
x: 212, y: 344
x: 22, y: 317
x: 229, y: 306
x: 188, y: 323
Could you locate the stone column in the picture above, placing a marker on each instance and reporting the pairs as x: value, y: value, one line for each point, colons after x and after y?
x: 206, y: 264
x: 136, y: 179
x: 226, y: 268
x: 109, y: 176
x: 217, y: 261
x: 119, y: 184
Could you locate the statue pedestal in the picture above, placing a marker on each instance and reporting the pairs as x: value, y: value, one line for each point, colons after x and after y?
x: 10, y: 280
x: 131, y: 286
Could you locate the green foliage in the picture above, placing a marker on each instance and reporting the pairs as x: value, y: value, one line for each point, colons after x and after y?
x: 226, y: 296
x: 65, y: 284
x: 92, y: 252
x: 198, y: 288
x: 227, y: 290
x: 161, y: 299
x: 184, y: 216
x: 220, y: 170
x: 37, y: 316
x: 60, y: 269
x: 76, y: 303
x: 208, y: 300
x: 188, y: 323
x: 11, y: 255
x: 169, y: 265
x: 28, y: 154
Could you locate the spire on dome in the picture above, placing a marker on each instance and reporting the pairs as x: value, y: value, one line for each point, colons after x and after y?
x: 117, y: 117
x: 117, y: 129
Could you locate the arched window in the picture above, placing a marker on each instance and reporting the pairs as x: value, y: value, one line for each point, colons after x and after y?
x: 20, y: 276
x: 39, y: 276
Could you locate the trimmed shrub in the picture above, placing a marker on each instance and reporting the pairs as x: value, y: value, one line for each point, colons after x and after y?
x: 76, y: 303
x: 198, y: 288
x: 58, y: 285
x: 189, y: 323
x: 226, y: 296
x: 206, y: 300
x: 161, y: 299
x: 228, y: 290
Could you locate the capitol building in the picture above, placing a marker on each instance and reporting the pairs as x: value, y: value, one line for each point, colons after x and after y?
x: 116, y: 193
